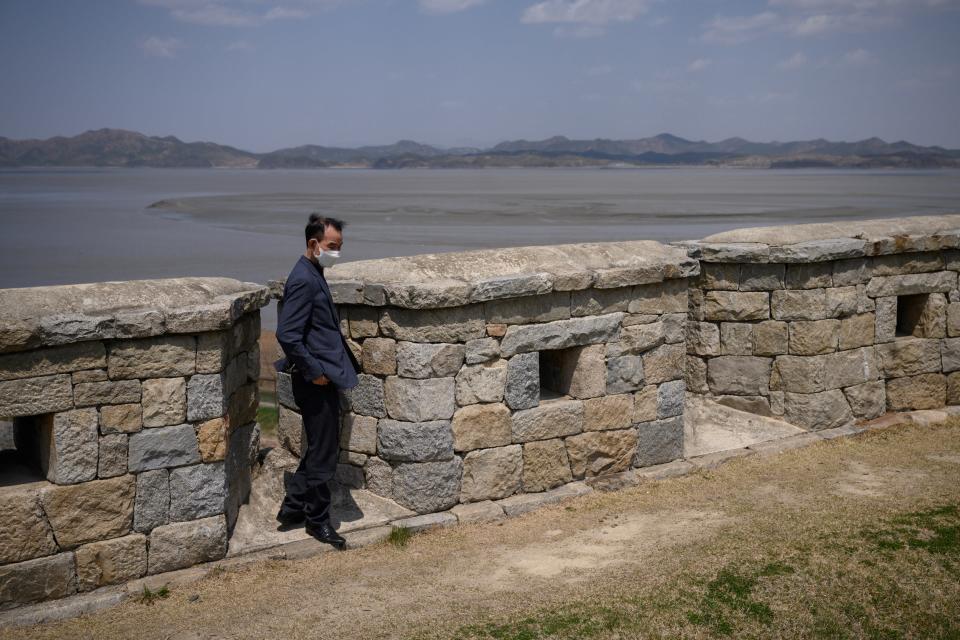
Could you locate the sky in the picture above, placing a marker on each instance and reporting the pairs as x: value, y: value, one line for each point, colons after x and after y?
x: 266, y: 74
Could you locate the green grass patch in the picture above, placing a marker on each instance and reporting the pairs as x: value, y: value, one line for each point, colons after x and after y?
x: 936, y: 531
x: 267, y: 417
x: 149, y: 597
x: 399, y: 536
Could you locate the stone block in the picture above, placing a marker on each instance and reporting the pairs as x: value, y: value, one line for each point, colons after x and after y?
x: 88, y: 394
x: 206, y: 397
x: 496, y: 329
x: 379, y: 356
x: 378, y: 477
x: 664, y: 363
x: 427, y: 486
x: 91, y: 375
x: 659, y: 442
x: 909, y: 357
x: 121, y: 418
x: 910, y: 284
x: 761, y: 277
x: 608, y: 412
x: 646, y: 404
x: 158, y: 357
x: 523, y: 381
x: 552, y: 419
x: 414, y: 441
x: 703, y: 339
x: 363, y: 321
x: 799, y: 374
x: 151, y: 508
x: 759, y: 405
x: 481, y: 350
x: 473, y: 512
x: 359, y: 433
x: 542, y: 308
x: 719, y: 276
x: 770, y: 338
x: 212, y: 439
x: 24, y: 531
x: 814, y: 337
x: 842, y: 301
x: 953, y: 388
x: 579, y: 371
x: 637, y: 338
x: 739, y: 375
x: 368, y: 397
x: 52, y: 360
x: 674, y: 327
x: 857, y: 331
x: 600, y: 452
x: 736, y: 338
x: 285, y: 391
x: 290, y: 430
x: 427, y: 521
x: 591, y: 302
x: 624, y: 374
x: 69, y: 446
x: 848, y: 368
x: 483, y: 382
x: 930, y: 319
x: 416, y: 360
x: 802, y: 304
x: 95, y: 510
x: 561, y: 334
x: 924, y: 391
x: 950, y: 354
x: 491, y: 474
x: 38, y: 579
x: 695, y: 375
x: 454, y: 324
x: 481, y: 426
x: 33, y: 396
x: 112, y: 461
x: 809, y: 276
x: 111, y: 561
x: 197, y: 491
x: 906, y: 263
x: 851, y: 272
x: 163, y: 447
x: 511, y: 286
x: 824, y: 410
x: 736, y: 306
x: 183, y: 544
x: 670, y: 397
x: 545, y: 465
x: 868, y: 400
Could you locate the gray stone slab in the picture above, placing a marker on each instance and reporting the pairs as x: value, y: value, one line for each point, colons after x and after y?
x: 163, y: 447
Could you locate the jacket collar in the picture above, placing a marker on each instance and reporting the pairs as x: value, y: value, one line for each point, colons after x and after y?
x: 317, y: 271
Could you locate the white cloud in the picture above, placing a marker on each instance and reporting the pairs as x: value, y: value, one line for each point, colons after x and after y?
x: 161, y: 47
x: 737, y: 29
x: 596, y: 12
x: 857, y: 58
x: 579, y: 31
x: 699, y: 65
x: 796, y: 61
x: 447, y: 6
x: 240, y: 13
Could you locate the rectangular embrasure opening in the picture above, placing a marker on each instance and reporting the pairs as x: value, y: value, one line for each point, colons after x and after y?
x: 20, y: 448
x: 910, y: 312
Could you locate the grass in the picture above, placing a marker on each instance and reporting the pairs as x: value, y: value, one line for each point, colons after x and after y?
x: 267, y: 416
x: 150, y: 597
x: 399, y: 536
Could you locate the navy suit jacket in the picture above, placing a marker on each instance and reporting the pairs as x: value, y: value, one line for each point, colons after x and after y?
x: 308, y: 329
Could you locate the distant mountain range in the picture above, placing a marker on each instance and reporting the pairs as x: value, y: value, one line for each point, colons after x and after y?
x: 119, y: 148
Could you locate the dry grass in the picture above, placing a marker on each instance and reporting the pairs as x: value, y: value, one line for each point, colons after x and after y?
x: 854, y: 538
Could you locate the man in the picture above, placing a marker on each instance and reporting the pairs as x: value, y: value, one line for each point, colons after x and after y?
x: 319, y: 362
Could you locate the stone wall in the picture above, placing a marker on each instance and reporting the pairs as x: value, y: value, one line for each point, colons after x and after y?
x: 133, y: 407
x: 824, y: 324
x: 521, y: 370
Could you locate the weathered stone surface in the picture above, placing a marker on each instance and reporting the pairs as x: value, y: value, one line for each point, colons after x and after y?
x: 804, y: 304
x: 151, y: 508
x: 659, y: 441
x: 112, y: 460
x: 69, y: 447
x: 824, y: 410
x: 695, y: 375
x: 511, y: 286
x: 197, y: 491
x: 950, y: 354
x: 212, y: 439
x: 909, y: 357
x: 483, y: 511
x: 590, y: 302
x: 770, y: 338
x: 121, y: 418
x: 953, y: 319
x: 39, y: 579
x: 925, y: 391
x: 427, y: 486
x: 545, y: 465
x: 608, y: 412
x: 842, y: 301
x: 159, y: 357
x: 542, y: 308
x: 367, y: 398
x: 457, y: 324
x: 736, y: 306
x: 928, y: 320
x: 903, y: 263
x: 665, y: 297
x: 414, y: 441
x: 427, y: 521
x: 526, y: 502
x: 359, y: 433
x: 736, y: 338
x: 95, y: 510
x: 163, y: 447
x: 670, y: 397
x: 903, y: 285
x: 720, y: 276
x: 624, y: 374
x: 414, y: 400
x: 24, y: 531
x: 851, y: 272
x: 868, y: 400
x: 523, y: 381
x: 703, y: 338
x: 206, y: 397
x: 417, y: 360
x: 645, y: 404
x: 496, y: 329
x: 599, y: 452
x: 953, y: 389
x: 214, y: 350
x: 739, y: 375
x: 552, y: 419
x: 561, y: 334
x: 481, y: 426
x: 44, y: 362
x: 111, y: 561
x: 484, y: 382
x: 491, y: 474
x: 90, y: 375
x: 809, y: 276
x: 378, y: 477
x: 886, y: 327
x: 363, y: 321
x: 761, y: 277
x: 808, y: 338
x: 818, y: 250
x: 182, y: 544
x: 664, y: 363
x: 33, y: 396
x: 88, y: 394
x: 848, y: 368
x: 577, y: 372
x: 285, y: 391
x: 857, y: 331
x: 379, y: 356
x: 481, y: 350
x: 637, y: 338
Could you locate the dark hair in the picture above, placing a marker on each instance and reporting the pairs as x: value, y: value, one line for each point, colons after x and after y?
x: 317, y: 225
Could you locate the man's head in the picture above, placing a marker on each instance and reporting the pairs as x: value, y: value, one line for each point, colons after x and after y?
x: 323, y: 235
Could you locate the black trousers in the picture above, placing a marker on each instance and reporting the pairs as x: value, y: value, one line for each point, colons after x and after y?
x: 308, y: 491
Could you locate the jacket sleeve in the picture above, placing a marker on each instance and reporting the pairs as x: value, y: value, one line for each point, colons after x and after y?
x: 291, y: 328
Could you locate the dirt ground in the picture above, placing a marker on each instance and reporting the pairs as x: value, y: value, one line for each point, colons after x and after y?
x: 856, y: 537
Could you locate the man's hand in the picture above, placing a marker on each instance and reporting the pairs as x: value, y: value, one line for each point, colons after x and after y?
x: 321, y: 380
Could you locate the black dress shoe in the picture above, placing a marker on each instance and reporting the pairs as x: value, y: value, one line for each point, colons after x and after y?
x: 326, y: 533
x: 288, y: 520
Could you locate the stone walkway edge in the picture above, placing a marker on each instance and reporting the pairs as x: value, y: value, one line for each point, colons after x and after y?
x: 485, y: 511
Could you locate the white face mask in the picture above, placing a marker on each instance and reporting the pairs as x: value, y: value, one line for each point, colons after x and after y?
x: 326, y: 258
